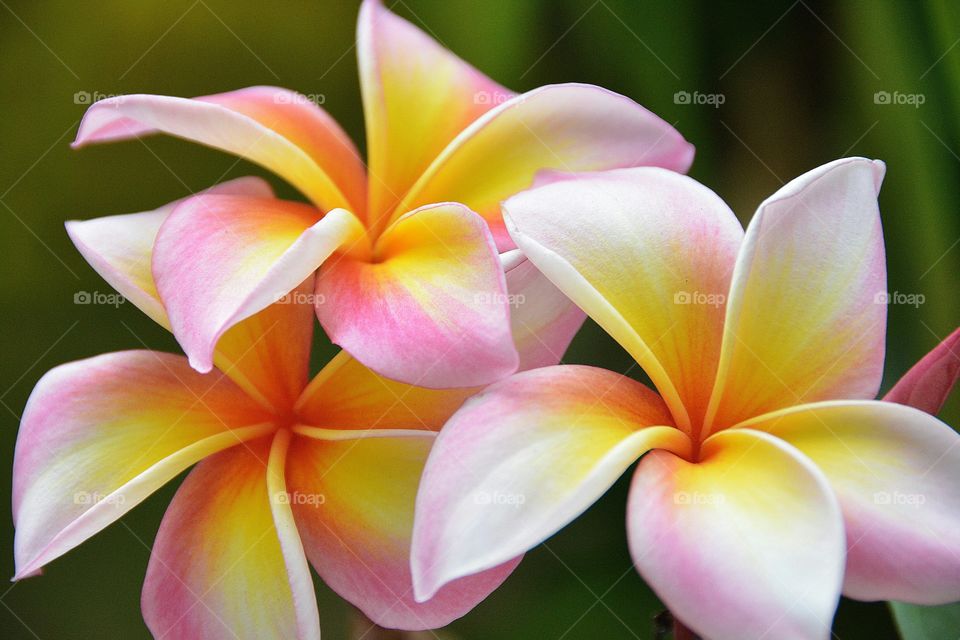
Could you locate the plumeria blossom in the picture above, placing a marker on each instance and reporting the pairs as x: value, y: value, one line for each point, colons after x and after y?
x: 405, y: 248
x: 290, y: 473
x: 769, y: 482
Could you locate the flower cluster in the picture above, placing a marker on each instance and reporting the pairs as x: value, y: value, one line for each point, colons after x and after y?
x: 454, y: 267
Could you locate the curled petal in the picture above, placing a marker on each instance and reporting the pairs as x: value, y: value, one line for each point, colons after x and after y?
x: 929, y: 382
x: 431, y: 309
x: 120, y: 248
x: 806, y: 318
x: 220, y: 259
x: 522, y: 459
x: 747, y: 542
x: 278, y: 129
x: 572, y: 127
x: 648, y: 254
x: 100, y: 435
x: 226, y: 562
x: 894, y: 470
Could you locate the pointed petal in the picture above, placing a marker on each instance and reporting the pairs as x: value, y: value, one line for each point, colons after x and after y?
x: 745, y: 543
x: 929, y: 382
x: 522, y: 459
x: 100, y: 435
x: 542, y: 319
x: 219, y: 566
x: 120, y: 248
x: 278, y: 129
x: 806, y: 319
x: 894, y: 470
x: 417, y: 96
x: 267, y: 354
x: 353, y: 503
x: 572, y: 127
x: 647, y: 253
x: 220, y: 259
x: 436, y: 283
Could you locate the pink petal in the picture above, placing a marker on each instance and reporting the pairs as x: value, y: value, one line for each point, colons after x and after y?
x: 806, y: 318
x: 417, y: 96
x: 522, y: 459
x: 227, y: 562
x: 431, y: 309
x: 747, y: 542
x: 278, y: 129
x: 894, y: 470
x: 929, y: 382
x: 358, y: 537
x: 573, y: 127
x: 542, y: 319
x: 220, y: 259
x: 648, y: 254
x: 100, y: 435
x: 120, y: 248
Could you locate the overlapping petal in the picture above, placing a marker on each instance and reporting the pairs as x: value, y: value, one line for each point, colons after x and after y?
x: 522, y: 459
x: 218, y: 567
x: 267, y: 354
x: 347, y: 399
x: 278, y: 129
x: 929, y: 382
x: 570, y: 127
x: 542, y: 319
x: 417, y: 96
x: 120, y: 247
x: 648, y: 254
x: 806, y: 318
x: 894, y: 470
x: 431, y: 309
x: 99, y: 435
x: 353, y: 503
x: 220, y: 259
x: 745, y: 543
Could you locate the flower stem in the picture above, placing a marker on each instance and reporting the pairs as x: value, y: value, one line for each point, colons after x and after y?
x: 680, y: 632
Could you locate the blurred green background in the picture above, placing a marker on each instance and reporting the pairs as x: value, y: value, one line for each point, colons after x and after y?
x: 799, y: 83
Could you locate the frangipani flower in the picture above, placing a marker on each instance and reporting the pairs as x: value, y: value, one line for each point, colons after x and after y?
x: 289, y: 471
x: 769, y: 482
x: 399, y: 263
